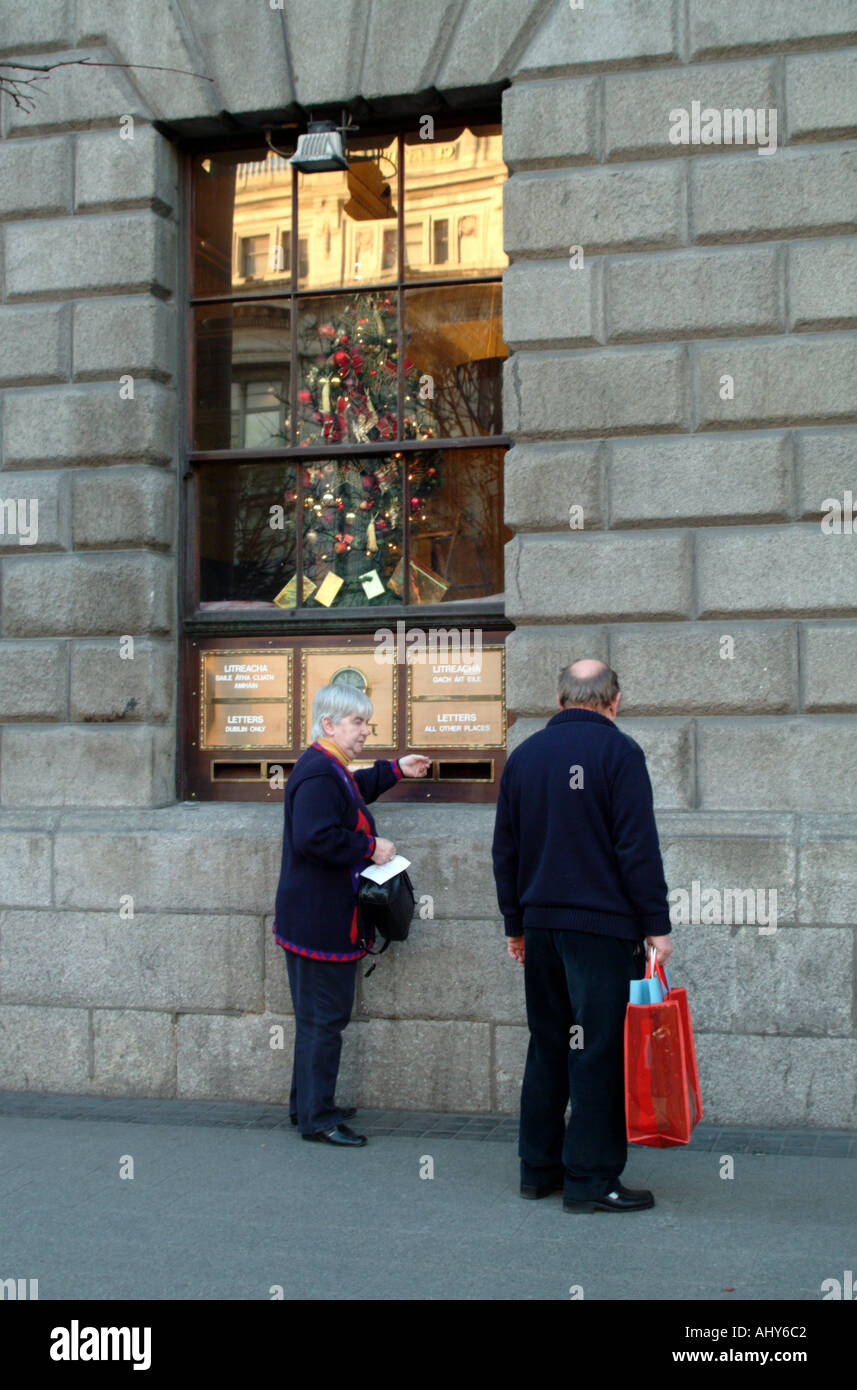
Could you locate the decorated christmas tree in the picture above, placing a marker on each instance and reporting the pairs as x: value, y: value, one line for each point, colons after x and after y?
x: 353, y: 509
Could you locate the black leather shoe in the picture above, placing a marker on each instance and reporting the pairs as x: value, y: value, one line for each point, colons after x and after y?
x: 542, y: 1189
x: 347, y: 1113
x: 619, y: 1198
x: 340, y: 1135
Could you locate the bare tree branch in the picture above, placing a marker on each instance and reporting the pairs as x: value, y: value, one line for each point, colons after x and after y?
x: 14, y: 86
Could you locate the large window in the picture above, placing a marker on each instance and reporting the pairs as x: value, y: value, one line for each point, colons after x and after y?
x: 345, y: 457
x: 346, y: 441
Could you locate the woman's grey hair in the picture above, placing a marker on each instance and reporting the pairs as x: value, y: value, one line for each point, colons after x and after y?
x: 336, y: 702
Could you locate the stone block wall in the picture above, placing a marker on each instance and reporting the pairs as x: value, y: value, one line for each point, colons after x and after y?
x: 698, y: 563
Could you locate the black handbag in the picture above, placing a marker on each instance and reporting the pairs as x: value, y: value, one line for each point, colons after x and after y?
x: 384, y: 909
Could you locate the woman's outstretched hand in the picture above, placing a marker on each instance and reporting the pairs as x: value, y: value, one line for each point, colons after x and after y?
x: 414, y: 765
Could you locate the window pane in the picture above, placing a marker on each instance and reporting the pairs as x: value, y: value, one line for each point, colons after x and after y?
x: 347, y: 388
x: 456, y: 535
x: 453, y: 339
x: 352, y: 537
x: 440, y: 229
x: 242, y: 221
x: 243, y: 557
x: 454, y: 203
x: 343, y: 215
x: 241, y: 398
x: 353, y: 514
x: 390, y: 244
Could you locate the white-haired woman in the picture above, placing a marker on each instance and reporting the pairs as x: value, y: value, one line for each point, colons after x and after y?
x: 328, y: 837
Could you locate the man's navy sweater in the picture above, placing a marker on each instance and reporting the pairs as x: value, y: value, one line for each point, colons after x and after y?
x: 575, y: 840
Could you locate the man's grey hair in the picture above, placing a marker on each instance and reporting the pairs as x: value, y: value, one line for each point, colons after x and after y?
x: 597, y: 691
x: 336, y: 702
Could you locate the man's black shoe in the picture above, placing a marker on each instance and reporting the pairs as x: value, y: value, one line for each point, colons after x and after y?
x: 619, y: 1198
x: 543, y: 1189
x: 347, y: 1113
x: 340, y: 1135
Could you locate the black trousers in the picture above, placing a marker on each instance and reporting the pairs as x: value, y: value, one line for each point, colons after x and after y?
x: 323, y: 997
x: 576, y: 979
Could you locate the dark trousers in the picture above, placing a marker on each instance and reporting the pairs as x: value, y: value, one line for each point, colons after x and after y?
x: 575, y: 978
x: 323, y: 997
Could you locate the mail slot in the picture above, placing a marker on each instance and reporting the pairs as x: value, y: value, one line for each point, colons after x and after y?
x: 476, y: 771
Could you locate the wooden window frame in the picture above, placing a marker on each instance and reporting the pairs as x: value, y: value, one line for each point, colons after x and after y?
x: 313, y: 625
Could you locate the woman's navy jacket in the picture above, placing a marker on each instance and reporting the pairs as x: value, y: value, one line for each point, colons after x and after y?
x: 328, y: 837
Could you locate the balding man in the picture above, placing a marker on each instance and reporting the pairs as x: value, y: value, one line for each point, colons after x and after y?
x: 580, y: 883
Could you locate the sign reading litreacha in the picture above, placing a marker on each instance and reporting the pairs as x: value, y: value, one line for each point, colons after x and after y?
x: 246, y: 699
x: 457, y: 703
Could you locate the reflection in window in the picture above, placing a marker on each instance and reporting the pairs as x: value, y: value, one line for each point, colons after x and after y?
x: 455, y: 541
x: 341, y: 214
x: 243, y: 557
x: 469, y: 250
x: 349, y: 520
x: 242, y: 371
x: 440, y: 232
x: 388, y: 258
x: 254, y: 256
x: 454, y: 336
x: 258, y: 414
x: 455, y: 181
x: 354, y: 513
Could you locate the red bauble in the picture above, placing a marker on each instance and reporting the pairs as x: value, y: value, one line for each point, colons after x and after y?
x: 341, y: 358
x: 304, y: 397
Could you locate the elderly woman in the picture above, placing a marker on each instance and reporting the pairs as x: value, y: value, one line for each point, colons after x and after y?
x: 328, y: 837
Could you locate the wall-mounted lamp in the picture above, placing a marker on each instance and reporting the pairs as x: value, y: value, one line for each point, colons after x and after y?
x: 322, y: 147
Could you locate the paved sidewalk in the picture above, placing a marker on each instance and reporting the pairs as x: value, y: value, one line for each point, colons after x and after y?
x: 227, y: 1201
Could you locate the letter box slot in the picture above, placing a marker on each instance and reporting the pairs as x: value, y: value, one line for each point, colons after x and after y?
x: 222, y: 771
x: 476, y: 771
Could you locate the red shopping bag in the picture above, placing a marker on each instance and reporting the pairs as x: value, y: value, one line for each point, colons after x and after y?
x: 662, y: 1098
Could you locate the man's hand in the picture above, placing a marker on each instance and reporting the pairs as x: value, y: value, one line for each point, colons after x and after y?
x: 516, y: 948
x: 385, y: 850
x: 414, y: 765
x: 663, y: 946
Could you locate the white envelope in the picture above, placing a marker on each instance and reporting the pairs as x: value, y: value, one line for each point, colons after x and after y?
x: 379, y: 873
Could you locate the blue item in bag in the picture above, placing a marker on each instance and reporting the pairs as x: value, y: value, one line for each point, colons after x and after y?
x: 649, y: 990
